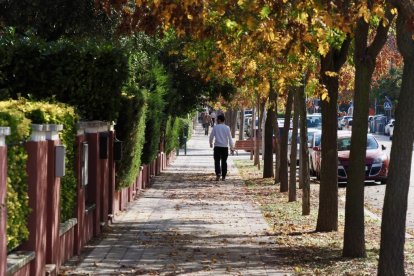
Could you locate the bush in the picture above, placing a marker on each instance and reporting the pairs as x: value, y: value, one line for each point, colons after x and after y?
x: 19, y: 115
x: 86, y: 74
x: 155, y: 115
x: 131, y: 130
x: 184, y: 130
x: 171, y: 134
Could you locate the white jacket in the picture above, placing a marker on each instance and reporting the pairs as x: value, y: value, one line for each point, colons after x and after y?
x: 222, y: 135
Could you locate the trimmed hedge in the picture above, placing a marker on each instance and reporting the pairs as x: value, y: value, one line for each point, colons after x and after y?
x: 123, y: 82
x: 86, y: 74
x: 155, y: 115
x: 130, y: 129
x: 19, y: 115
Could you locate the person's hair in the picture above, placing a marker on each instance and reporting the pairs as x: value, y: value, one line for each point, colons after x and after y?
x: 221, y: 118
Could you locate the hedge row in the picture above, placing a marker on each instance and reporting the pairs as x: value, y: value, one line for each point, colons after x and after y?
x: 19, y: 115
x: 102, y: 81
x: 86, y: 74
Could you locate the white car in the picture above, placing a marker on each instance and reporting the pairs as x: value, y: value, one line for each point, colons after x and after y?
x: 314, y: 120
x: 311, y: 132
x: 388, y: 126
x: 391, y: 130
x: 344, y: 122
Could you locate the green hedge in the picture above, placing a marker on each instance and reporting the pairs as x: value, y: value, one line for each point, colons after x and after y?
x: 155, y: 115
x: 176, y: 130
x: 86, y: 74
x: 130, y: 129
x: 19, y: 115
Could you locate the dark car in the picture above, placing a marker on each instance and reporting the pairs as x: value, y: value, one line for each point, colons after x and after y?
x: 376, y: 160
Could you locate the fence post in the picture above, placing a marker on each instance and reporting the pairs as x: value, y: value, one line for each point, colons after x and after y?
x: 80, y: 199
x: 112, y: 193
x: 53, y: 198
x: 37, y: 149
x: 95, y: 189
x: 4, y: 131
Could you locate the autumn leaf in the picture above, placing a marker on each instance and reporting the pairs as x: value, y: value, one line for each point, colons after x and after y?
x: 331, y: 74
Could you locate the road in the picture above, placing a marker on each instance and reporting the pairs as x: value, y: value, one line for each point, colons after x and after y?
x: 374, y: 193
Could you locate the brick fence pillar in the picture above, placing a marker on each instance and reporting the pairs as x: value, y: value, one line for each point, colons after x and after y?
x: 37, y: 150
x: 53, y: 198
x: 96, y: 181
x: 80, y: 199
x: 4, y: 131
x: 112, y: 193
x: 104, y: 145
x: 93, y: 192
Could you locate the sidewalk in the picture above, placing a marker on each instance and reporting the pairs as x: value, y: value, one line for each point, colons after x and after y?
x: 185, y: 224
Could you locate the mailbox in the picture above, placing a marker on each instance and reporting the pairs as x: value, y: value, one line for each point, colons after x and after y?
x: 84, y: 163
x: 60, y: 154
x: 103, y: 145
x: 117, y: 150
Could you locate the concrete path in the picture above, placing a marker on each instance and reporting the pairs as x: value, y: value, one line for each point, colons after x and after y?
x: 186, y: 224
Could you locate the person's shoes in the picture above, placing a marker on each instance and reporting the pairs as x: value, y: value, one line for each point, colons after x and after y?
x: 223, y: 178
x: 217, y: 177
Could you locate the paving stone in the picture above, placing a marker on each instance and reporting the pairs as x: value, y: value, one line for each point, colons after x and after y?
x: 186, y: 224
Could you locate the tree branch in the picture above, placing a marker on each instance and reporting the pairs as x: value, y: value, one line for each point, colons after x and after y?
x: 381, y: 35
x: 341, y: 55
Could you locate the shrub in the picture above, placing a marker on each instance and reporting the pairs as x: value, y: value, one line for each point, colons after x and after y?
x: 171, y: 134
x: 19, y: 115
x: 184, y: 130
x: 86, y: 74
x: 130, y: 129
x: 155, y: 115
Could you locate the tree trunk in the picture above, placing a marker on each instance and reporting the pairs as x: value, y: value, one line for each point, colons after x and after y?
x: 257, y: 136
x: 260, y: 109
x: 293, y: 149
x: 328, y: 194
x: 284, y: 144
x: 268, y: 136
x: 231, y: 119
x: 233, y: 122
x: 391, y: 260
x: 304, y: 177
x: 277, y: 146
x: 365, y: 60
x: 262, y: 149
x: 241, y: 129
x: 252, y: 131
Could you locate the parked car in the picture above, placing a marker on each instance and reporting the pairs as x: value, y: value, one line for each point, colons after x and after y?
x: 387, y: 126
x: 344, y: 123
x: 391, y: 131
x: 314, y: 144
x: 314, y: 120
x: 376, y: 160
x: 339, y: 123
x: 311, y: 132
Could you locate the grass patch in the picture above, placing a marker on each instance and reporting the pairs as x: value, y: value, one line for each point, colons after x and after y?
x: 297, y: 247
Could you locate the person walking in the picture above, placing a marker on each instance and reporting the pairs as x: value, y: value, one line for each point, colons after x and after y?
x: 222, y: 139
x: 206, y: 122
x: 213, y: 118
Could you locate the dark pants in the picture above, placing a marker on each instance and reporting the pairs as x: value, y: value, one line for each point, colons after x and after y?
x: 221, y: 154
x: 206, y: 127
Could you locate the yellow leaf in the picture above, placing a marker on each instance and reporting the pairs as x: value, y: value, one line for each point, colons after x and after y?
x: 325, y: 96
x: 323, y: 48
x: 331, y: 74
x: 190, y: 17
